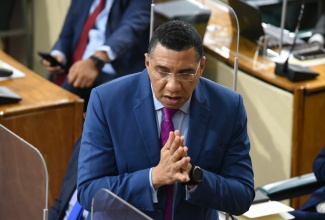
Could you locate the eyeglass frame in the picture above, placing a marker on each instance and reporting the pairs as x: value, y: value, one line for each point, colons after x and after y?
x: 170, y: 75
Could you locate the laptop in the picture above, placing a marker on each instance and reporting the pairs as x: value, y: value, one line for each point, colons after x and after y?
x: 252, y: 27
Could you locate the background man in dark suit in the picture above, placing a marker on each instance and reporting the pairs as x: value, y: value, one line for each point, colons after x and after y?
x: 61, y: 206
x: 205, y: 161
x: 314, y: 208
x: 114, y: 43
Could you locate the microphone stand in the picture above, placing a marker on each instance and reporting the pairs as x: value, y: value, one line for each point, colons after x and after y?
x: 283, y: 20
x: 296, y: 34
x: 293, y: 72
x: 152, y: 17
x: 237, y: 50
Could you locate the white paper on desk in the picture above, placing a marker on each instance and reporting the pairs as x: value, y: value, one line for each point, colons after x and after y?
x: 16, y: 73
x: 280, y: 216
x: 267, y: 208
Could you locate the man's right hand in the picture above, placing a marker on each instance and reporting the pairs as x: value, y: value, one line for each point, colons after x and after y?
x: 54, y: 69
x: 174, y: 164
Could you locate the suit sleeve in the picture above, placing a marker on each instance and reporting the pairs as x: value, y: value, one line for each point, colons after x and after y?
x: 231, y: 187
x: 99, y: 162
x: 132, y: 26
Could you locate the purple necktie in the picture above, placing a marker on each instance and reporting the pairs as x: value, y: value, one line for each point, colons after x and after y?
x: 166, y: 127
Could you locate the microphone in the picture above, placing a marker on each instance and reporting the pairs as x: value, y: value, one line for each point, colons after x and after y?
x: 152, y: 17
x: 293, y: 72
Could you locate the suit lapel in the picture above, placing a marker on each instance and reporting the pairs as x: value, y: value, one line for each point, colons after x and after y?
x: 199, y: 117
x: 144, y: 112
x: 84, y: 8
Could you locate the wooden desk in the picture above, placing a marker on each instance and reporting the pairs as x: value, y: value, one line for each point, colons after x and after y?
x: 286, y: 120
x: 48, y: 117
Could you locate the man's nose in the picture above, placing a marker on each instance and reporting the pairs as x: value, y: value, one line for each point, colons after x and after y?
x: 173, y: 83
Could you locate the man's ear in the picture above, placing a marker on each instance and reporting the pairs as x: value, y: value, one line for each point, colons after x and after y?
x: 202, y: 64
x: 146, y: 62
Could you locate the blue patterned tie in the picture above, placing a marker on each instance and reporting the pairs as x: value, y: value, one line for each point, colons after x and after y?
x: 76, y: 213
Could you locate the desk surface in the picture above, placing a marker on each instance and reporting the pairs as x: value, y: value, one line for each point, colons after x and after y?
x: 48, y: 117
x: 36, y: 92
x: 263, y: 68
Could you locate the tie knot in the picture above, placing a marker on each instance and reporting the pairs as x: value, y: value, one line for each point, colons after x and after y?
x: 169, y: 113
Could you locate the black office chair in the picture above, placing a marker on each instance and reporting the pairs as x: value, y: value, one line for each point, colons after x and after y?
x: 291, y: 188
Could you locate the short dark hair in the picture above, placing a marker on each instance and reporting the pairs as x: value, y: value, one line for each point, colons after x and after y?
x: 176, y: 35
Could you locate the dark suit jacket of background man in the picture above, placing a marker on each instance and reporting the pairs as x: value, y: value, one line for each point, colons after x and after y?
x: 69, y: 184
x: 128, y: 43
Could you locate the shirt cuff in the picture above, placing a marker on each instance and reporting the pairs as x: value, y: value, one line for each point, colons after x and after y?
x: 153, y: 191
x: 57, y: 52
x: 189, y: 192
x: 111, y: 55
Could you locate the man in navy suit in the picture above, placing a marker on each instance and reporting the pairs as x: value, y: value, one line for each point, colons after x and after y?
x: 117, y: 42
x: 314, y: 208
x: 121, y: 151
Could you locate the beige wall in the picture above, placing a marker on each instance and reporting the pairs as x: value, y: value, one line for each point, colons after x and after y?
x: 48, y: 17
x: 269, y: 121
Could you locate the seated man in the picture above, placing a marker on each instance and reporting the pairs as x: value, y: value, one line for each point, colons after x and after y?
x: 64, y: 204
x: 314, y: 208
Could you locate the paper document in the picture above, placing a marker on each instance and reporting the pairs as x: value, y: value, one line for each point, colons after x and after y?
x: 267, y: 208
x: 16, y: 73
x: 280, y: 216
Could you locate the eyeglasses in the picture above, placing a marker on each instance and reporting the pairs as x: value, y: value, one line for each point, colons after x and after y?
x: 184, y: 77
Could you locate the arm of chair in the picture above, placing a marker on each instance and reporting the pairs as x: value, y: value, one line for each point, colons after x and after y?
x: 289, y: 188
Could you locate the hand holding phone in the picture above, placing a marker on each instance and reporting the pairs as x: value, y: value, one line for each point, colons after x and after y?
x: 48, y: 57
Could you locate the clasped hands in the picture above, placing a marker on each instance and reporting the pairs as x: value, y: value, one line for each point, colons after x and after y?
x: 174, y: 165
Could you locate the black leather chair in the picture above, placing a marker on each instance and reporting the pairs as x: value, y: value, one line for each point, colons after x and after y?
x: 290, y: 188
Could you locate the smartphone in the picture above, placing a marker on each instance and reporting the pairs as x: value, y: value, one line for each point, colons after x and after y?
x: 51, y: 59
x: 5, y: 72
x: 309, y: 54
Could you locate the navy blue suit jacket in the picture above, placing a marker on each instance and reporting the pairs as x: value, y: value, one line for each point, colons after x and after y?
x: 120, y: 144
x: 127, y: 32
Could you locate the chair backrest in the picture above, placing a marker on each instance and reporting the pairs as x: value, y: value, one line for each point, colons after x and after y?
x: 23, y: 179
